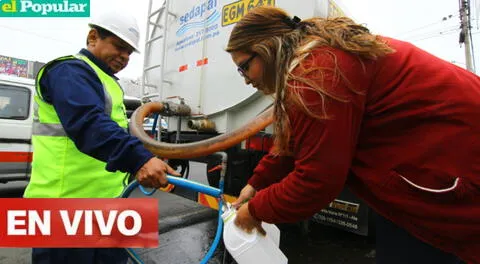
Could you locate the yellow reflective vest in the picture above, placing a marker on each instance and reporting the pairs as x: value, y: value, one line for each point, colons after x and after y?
x: 59, y: 169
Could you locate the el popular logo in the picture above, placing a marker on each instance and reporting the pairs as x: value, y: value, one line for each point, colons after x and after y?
x: 44, y: 8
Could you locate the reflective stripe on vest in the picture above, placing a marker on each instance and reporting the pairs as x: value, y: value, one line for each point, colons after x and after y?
x: 59, y: 169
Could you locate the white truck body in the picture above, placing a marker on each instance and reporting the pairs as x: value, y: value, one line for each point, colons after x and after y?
x: 186, y: 57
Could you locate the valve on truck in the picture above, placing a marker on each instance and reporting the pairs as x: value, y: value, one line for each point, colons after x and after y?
x: 202, y: 125
x: 174, y: 109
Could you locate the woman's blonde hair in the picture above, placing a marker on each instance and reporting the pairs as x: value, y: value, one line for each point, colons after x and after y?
x: 283, y: 43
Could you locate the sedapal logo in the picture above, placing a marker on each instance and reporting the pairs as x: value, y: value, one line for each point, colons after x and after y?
x: 44, y: 8
x: 199, y: 16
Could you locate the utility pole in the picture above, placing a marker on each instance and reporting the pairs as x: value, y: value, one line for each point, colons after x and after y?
x: 465, y: 32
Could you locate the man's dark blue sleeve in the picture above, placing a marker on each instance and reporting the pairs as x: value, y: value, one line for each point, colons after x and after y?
x: 76, y: 93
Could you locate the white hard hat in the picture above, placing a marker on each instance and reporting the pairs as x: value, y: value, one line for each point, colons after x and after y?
x: 122, y: 25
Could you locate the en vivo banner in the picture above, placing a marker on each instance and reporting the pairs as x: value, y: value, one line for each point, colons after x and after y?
x: 44, y: 8
x: 77, y: 223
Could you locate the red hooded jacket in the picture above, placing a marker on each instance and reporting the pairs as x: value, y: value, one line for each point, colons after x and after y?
x: 407, y: 141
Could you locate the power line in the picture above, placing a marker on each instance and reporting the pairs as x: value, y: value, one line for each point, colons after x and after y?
x: 431, y: 24
x: 439, y: 34
x: 433, y: 32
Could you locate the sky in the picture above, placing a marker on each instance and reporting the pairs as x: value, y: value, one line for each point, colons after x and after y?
x: 418, y: 21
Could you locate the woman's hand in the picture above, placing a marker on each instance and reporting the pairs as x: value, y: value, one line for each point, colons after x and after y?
x: 247, y: 192
x: 246, y: 221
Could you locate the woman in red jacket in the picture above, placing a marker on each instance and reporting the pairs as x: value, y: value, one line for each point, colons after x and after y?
x: 397, y: 125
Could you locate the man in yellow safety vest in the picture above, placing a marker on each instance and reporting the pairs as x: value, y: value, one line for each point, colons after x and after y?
x: 81, y: 145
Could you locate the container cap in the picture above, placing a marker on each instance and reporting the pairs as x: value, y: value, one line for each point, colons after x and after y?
x: 228, y: 212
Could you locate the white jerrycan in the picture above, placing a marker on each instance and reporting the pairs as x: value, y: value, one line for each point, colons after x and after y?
x: 251, y: 248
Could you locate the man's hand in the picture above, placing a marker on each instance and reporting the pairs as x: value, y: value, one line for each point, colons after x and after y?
x: 245, y: 194
x: 154, y: 173
x: 247, y: 222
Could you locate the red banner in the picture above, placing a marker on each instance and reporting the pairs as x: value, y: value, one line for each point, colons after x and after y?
x: 76, y: 223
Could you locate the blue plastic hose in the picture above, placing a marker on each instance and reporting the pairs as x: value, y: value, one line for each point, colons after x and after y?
x: 133, y: 256
x: 154, y: 125
x: 198, y: 187
x: 195, y: 186
x: 218, y: 234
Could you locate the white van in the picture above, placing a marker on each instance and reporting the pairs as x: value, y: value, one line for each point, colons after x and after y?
x: 16, y: 118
